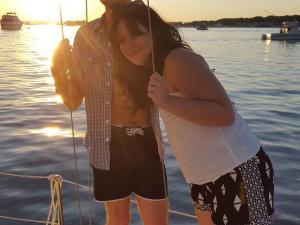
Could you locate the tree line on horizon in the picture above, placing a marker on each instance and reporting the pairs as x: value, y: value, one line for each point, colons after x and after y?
x: 258, y: 21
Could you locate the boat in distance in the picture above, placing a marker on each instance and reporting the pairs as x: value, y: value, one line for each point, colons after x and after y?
x: 202, y: 26
x: 11, y: 21
x: 288, y: 31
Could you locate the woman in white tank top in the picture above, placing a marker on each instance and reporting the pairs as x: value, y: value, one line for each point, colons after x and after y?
x: 230, y: 175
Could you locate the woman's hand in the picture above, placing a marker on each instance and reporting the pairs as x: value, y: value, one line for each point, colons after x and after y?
x: 158, y: 90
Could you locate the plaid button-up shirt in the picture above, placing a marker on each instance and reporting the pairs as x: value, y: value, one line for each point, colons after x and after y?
x: 93, y: 55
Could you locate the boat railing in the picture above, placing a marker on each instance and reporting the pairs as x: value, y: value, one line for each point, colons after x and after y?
x: 55, y: 214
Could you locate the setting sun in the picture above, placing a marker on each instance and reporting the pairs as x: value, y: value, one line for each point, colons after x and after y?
x: 48, y: 10
x: 40, y: 10
x: 29, y: 10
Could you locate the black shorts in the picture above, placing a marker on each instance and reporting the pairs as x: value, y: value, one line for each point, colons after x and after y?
x: 135, y: 167
x: 243, y: 196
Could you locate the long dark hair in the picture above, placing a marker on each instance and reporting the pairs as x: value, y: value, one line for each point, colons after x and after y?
x: 165, y: 38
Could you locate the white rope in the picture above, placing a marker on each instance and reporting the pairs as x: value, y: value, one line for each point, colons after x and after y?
x: 55, y: 211
x: 53, y: 207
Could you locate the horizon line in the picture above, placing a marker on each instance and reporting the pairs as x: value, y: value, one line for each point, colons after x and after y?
x: 83, y: 20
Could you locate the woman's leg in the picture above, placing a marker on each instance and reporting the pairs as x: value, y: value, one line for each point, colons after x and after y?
x: 153, y: 212
x: 204, y: 218
x: 257, y: 174
x: 242, y: 196
x: 118, y: 212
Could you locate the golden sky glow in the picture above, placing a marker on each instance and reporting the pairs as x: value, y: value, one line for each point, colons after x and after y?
x: 47, y: 9
x: 171, y: 10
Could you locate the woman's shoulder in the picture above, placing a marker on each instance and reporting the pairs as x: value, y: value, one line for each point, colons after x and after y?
x: 179, y: 53
x: 184, y: 58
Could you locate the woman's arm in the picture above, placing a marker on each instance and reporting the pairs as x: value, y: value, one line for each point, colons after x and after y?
x: 205, y: 101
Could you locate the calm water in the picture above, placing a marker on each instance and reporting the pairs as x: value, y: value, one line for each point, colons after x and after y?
x: 261, y: 77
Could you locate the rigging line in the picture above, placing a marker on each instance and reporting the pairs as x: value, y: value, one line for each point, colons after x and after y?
x: 91, y: 202
x: 151, y: 37
x: 73, y: 133
x: 90, y: 175
x: 76, y: 167
x: 61, y: 21
x: 91, y: 207
x: 86, y: 11
x: 154, y: 69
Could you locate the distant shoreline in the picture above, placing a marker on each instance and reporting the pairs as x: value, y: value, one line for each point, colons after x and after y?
x: 258, y: 21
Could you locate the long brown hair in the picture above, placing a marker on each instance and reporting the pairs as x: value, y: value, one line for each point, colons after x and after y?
x: 165, y: 38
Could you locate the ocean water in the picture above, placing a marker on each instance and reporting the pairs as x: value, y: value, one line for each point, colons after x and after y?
x: 261, y: 77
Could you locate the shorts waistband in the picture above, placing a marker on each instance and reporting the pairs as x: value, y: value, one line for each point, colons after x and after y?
x: 124, y: 126
x: 132, y: 131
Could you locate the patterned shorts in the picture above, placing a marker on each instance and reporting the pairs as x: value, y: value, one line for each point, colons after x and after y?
x: 244, y: 196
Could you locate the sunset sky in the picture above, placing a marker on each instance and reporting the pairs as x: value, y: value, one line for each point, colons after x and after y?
x: 171, y: 10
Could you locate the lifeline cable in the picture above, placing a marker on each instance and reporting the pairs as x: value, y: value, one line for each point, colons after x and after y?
x: 74, y: 184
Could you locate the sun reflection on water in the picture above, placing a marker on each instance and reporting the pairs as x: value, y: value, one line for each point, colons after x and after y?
x: 52, y: 131
x: 267, y: 51
x: 56, y: 99
x: 56, y: 132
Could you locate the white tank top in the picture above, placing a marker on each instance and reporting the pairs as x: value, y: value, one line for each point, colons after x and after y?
x: 206, y: 153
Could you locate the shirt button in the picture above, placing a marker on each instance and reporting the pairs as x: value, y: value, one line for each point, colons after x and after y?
x: 107, y: 139
x: 109, y: 64
x: 106, y: 121
x: 107, y: 102
x: 107, y: 83
x: 109, y: 44
x: 90, y: 58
